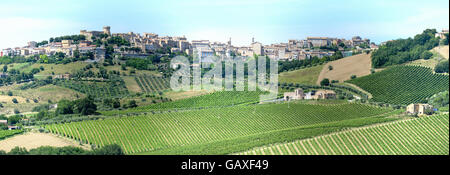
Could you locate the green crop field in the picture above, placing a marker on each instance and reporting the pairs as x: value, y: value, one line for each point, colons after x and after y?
x: 403, y: 84
x: 8, y: 133
x: 422, y: 136
x: 174, y: 129
x: 216, y: 99
x: 152, y: 83
x: 113, y: 88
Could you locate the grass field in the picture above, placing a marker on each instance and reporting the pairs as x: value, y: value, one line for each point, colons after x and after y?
x: 301, y: 76
x: 443, y: 50
x: 421, y: 136
x: 131, y: 84
x: 31, y: 140
x: 216, y: 99
x: 344, y: 68
x: 159, y: 131
x: 403, y: 84
x: 56, y: 68
x: 41, y: 94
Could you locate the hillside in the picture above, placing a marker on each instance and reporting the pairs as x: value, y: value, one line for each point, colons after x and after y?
x: 344, y: 68
x: 301, y: 76
x: 420, y: 136
x: 176, y: 129
x: 443, y: 50
x: 403, y: 84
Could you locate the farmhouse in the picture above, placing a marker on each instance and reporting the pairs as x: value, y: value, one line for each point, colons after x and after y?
x: 62, y: 76
x: 418, y: 109
x: 299, y: 94
x: 296, y: 95
x: 325, y: 94
x: 3, y: 122
x: 3, y: 75
x: 13, y: 127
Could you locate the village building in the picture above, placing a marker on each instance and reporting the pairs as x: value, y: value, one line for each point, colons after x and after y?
x: 441, y: 34
x: 3, y: 75
x: 4, y: 122
x: 418, y: 109
x: 298, y: 94
x: 325, y: 94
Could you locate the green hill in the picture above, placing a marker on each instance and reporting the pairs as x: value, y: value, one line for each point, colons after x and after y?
x: 157, y: 132
x: 403, y: 84
x: 422, y: 136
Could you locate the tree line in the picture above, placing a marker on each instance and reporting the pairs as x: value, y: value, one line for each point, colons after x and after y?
x: 403, y: 50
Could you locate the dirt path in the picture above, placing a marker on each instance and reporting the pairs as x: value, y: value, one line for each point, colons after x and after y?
x: 31, y: 140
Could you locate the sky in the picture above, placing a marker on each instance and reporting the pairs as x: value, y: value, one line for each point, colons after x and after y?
x: 268, y: 21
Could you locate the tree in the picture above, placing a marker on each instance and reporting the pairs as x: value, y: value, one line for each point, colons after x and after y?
x: 64, y: 107
x: 353, y: 77
x: 426, y: 55
x: 439, y: 100
x: 14, y: 100
x: 113, y: 149
x: 428, y: 111
x: 325, y: 82
x: 18, y: 151
x: 442, y: 67
x: 85, y: 106
x: 330, y: 67
x: 10, y: 93
x: 132, y: 104
x: 116, y: 103
x: 5, y: 68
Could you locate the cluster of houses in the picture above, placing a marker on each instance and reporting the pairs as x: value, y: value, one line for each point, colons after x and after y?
x: 299, y: 94
x: 418, y: 109
x: 150, y: 42
x: 5, y: 123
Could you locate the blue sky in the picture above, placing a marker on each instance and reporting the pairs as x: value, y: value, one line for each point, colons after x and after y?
x: 269, y: 21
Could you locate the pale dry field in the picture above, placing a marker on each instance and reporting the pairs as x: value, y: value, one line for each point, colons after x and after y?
x: 185, y: 94
x: 33, y: 140
x: 443, y: 50
x: 344, y: 68
x: 131, y: 84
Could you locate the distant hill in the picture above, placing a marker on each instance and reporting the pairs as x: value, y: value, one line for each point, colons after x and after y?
x: 403, y: 84
x: 344, y: 68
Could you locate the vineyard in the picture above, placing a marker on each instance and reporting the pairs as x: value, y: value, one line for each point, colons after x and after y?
x: 113, y: 88
x: 422, y: 136
x: 216, y: 99
x: 403, y: 84
x: 8, y: 133
x: 160, y: 131
x: 152, y: 83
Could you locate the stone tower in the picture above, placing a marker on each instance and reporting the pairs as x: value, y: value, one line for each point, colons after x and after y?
x: 107, y: 30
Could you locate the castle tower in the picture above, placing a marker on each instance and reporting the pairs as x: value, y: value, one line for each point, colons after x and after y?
x: 107, y: 30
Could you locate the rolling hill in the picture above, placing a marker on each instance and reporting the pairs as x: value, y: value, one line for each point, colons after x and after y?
x: 420, y: 136
x: 344, y: 68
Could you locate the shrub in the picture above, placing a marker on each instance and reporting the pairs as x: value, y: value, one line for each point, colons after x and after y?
x: 325, y: 82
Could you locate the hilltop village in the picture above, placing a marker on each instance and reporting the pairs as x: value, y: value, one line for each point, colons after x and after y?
x: 99, y: 43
